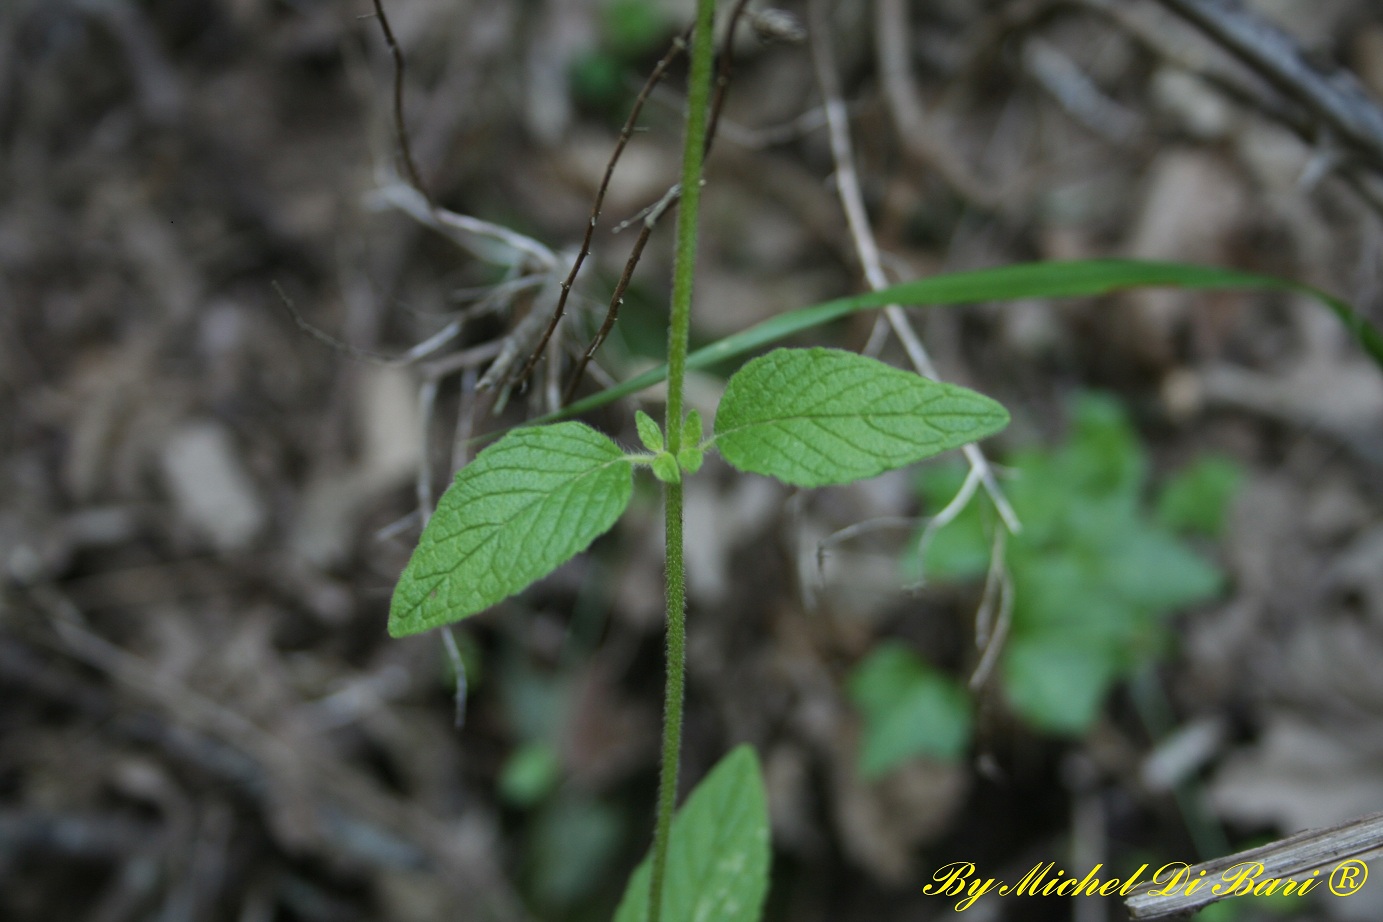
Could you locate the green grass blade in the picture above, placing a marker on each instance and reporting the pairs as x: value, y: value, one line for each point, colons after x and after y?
x: 1082, y: 278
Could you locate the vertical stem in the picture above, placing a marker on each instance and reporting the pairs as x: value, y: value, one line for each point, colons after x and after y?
x: 672, y: 704
x: 684, y: 268
x: 693, y: 154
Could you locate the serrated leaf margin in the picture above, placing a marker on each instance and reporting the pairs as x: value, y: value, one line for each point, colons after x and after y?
x: 464, y: 564
x: 762, y: 423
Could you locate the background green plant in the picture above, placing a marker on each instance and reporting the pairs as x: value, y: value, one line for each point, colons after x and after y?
x: 909, y: 708
x: 629, y: 30
x: 1096, y: 571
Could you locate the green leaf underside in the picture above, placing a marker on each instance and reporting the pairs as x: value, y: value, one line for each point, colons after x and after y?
x: 1074, y: 279
x: 813, y: 417
x: 524, y: 506
x: 717, y: 868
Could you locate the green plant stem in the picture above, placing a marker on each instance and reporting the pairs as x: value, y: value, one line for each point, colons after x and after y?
x: 679, y: 328
x: 672, y: 707
x: 684, y: 267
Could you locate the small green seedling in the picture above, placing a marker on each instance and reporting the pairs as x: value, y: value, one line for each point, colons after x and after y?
x: 1094, y: 575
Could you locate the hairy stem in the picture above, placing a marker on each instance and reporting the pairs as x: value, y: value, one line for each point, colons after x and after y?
x: 672, y: 706
x: 693, y: 155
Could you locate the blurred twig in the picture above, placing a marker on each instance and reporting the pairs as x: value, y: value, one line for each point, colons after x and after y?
x: 410, y: 166
x: 1336, y: 97
x: 892, y: 31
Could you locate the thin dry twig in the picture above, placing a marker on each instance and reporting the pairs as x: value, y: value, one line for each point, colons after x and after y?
x: 466, y: 231
x: 867, y: 249
x: 427, y: 401
x: 421, y: 351
x: 1336, y: 98
x: 413, y: 199
x: 892, y: 30
x: 650, y: 221
x: 991, y: 626
x: 724, y: 71
x: 679, y: 46
x: 410, y: 166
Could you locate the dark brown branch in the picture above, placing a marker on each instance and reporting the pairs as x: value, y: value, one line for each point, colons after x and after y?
x: 724, y: 71
x: 679, y: 45
x: 1336, y: 98
x: 617, y: 299
x: 400, y: 129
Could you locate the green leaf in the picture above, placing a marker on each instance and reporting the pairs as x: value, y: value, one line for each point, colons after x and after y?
x: 1104, y: 457
x: 529, y: 774
x: 649, y: 433
x: 692, y: 429
x: 524, y: 506
x: 909, y: 710
x: 717, y: 864
x: 1074, y: 279
x: 689, y: 459
x: 665, y: 468
x: 1197, y: 498
x: 1151, y: 568
x: 574, y: 841
x: 813, y: 417
x: 1055, y: 684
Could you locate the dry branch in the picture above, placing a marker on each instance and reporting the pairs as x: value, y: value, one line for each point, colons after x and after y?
x: 1317, y: 850
x: 1336, y: 97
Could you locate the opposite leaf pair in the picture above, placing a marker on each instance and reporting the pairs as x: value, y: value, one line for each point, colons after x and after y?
x: 541, y: 495
x: 667, y: 467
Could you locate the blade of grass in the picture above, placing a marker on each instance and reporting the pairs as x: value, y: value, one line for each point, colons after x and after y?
x: 1082, y: 278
